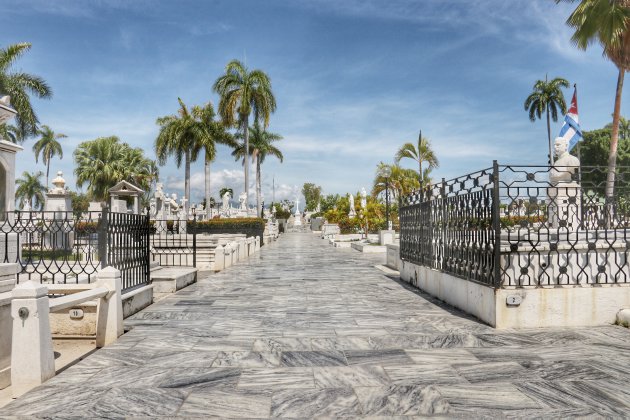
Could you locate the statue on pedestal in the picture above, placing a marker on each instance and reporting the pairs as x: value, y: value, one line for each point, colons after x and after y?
x: 242, y: 198
x: 363, y: 198
x: 352, y: 211
x: 564, y: 194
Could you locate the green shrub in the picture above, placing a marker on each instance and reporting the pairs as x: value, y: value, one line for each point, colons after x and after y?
x: 229, y: 224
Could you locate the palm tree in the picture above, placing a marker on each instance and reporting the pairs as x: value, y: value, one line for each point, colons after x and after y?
x: 223, y: 190
x: 260, y: 147
x: 48, y: 146
x: 624, y: 128
x: 606, y: 22
x: 401, y: 182
x: 30, y: 188
x: 105, y: 161
x: 215, y: 133
x: 19, y: 85
x: 420, y: 153
x: 547, y: 97
x: 242, y: 91
x: 11, y: 133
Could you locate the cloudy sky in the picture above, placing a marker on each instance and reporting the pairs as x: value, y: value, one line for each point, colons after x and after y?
x: 354, y: 79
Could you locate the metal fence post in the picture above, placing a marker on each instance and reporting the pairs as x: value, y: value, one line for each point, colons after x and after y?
x: 147, y: 237
x: 443, y: 216
x: 496, y: 224
x: 103, y: 228
x: 194, y: 233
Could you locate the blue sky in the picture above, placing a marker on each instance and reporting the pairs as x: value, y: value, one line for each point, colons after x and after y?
x: 354, y: 79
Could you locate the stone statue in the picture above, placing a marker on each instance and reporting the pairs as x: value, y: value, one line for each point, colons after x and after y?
x: 565, y: 165
x: 352, y: 211
x: 226, y: 201
x: 242, y: 198
x: 564, y: 207
x: 318, y: 209
x: 363, y: 199
x: 297, y: 206
x: 172, y: 204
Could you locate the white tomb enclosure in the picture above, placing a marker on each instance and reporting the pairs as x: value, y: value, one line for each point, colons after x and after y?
x: 125, y: 190
x: 557, y: 257
x: 58, y: 216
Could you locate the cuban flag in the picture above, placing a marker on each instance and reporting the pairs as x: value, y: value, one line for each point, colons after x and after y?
x: 571, y: 130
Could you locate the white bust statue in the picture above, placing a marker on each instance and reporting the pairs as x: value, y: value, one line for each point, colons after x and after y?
x: 565, y: 165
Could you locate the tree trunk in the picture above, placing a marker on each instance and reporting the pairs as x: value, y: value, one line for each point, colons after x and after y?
x: 549, y: 138
x: 614, y: 140
x: 207, y: 173
x: 421, y: 175
x: 187, y: 182
x: 47, y: 172
x: 246, y: 135
x: 258, y: 192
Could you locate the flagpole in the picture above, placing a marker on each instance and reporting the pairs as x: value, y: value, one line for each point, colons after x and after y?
x: 579, y: 156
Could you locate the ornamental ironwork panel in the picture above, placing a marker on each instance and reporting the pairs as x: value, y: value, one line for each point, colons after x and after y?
x: 449, y: 226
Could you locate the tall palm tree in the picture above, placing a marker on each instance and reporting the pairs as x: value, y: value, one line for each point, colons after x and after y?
x: 606, y: 22
x: 19, y: 85
x: 242, y: 92
x: 215, y: 133
x: 48, y: 146
x: 547, y: 97
x: 260, y: 142
x: 177, y: 137
x: 105, y: 161
x: 624, y: 128
x: 422, y: 152
x: 30, y: 188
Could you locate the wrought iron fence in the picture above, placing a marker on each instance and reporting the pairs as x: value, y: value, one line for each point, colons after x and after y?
x: 174, y: 242
x: 128, y: 247
x: 70, y: 247
x: 522, y: 226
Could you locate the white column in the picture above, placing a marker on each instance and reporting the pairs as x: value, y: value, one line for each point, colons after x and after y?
x: 219, y: 258
x: 32, y: 357
x: 109, y: 322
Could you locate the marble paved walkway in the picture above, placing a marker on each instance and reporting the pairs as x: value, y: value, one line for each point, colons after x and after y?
x: 305, y: 330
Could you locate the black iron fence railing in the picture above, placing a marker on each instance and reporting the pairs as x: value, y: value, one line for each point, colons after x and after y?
x: 174, y: 242
x: 70, y: 247
x: 522, y: 226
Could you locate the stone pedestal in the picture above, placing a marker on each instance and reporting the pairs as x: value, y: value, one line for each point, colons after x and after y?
x: 32, y: 360
x: 386, y: 237
x: 564, y: 206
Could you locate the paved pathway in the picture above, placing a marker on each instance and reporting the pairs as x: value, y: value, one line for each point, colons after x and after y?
x: 305, y: 330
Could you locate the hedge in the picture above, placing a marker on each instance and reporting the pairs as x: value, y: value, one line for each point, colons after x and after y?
x: 247, y: 226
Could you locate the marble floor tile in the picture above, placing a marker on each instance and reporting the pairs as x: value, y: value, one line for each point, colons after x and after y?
x: 237, y: 403
x: 246, y: 359
x: 313, y: 358
x: 397, y: 400
x: 201, y: 378
x: 442, y: 356
x: 424, y: 375
x: 565, y: 370
x: 350, y: 376
x: 277, y: 378
x: 496, y: 372
x: 280, y: 344
x: 186, y: 358
x: 222, y: 344
x: 377, y: 357
x: 302, y: 403
x: 486, y: 396
x: 132, y: 402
